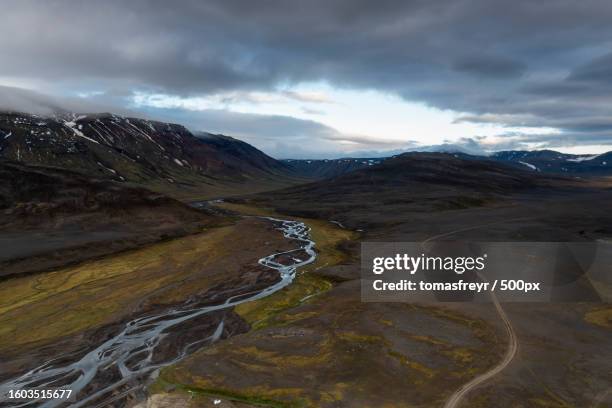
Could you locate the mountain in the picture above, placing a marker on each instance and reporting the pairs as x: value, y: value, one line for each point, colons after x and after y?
x: 241, y: 155
x: 544, y: 161
x: 410, y: 183
x: 550, y: 161
x: 49, y: 216
x: 321, y: 169
x: 164, y: 157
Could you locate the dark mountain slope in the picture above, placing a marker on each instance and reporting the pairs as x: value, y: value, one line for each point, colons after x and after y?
x: 433, y: 170
x: 328, y: 168
x: 51, y: 216
x: 411, y: 183
x: 241, y: 155
x: 550, y: 161
x: 161, y: 156
x: 542, y: 161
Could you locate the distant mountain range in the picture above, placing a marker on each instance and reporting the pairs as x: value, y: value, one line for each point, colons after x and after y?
x: 328, y: 168
x: 409, y: 184
x: 550, y: 161
x: 168, y: 158
x: 544, y: 161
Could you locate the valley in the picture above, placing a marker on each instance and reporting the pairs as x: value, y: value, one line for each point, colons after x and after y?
x: 96, y: 298
x: 138, y: 293
x: 413, y: 351
x: 305, y: 204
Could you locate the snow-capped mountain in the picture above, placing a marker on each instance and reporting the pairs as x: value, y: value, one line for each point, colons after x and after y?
x: 550, y: 161
x: 155, y: 154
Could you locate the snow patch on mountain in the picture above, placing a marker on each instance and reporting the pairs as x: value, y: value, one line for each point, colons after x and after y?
x: 583, y: 158
x: 531, y: 166
x: 76, y: 129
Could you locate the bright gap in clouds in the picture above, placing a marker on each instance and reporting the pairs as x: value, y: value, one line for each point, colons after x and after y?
x: 587, y: 149
x: 369, y: 115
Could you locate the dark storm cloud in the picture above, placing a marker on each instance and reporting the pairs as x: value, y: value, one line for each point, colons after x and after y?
x: 549, y: 60
x: 598, y: 70
x: 490, y: 66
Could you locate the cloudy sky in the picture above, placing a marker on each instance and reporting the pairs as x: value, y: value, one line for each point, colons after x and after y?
x: 323, y: 78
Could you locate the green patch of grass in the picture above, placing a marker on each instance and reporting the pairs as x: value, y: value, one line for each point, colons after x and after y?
x: 40, y: 308
x: 238, y: 397
x: 415, y: 365
x: 162, y: 385
x: 601, y: 317
x: 327, y: 236
x: 266, y: 311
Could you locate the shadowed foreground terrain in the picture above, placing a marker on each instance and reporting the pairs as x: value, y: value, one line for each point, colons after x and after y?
x: 332, y: 350
x: 313, y: 343
x: 50, y: 217
x: 65, y: 313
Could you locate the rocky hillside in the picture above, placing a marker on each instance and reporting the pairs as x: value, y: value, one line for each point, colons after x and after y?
x: 162, y: 156
x: 412, y: 183
x: 542, y: 161
x: 51, y: 216
x: 550, y: 161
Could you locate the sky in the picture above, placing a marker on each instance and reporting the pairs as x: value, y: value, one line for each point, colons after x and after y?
x: 325, y: 78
